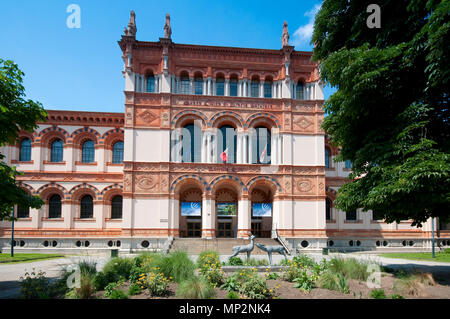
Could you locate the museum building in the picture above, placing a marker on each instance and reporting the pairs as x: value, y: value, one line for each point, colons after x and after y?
x: 214, y: 142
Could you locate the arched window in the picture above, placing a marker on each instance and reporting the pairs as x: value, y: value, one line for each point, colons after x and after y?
x: 151, y: 83
x: 191, y: 143
x: 328, y: 209
x: 185, y: 85
x: 54, y: 206
x: 198, y: 85
x: 263, y: 145
x: 23, y: 212
x: 86, y: 207
x: 56, y: 151
x: 88, y: 152
x: 25, y: 150
x: 117, y: 155
x: 226, y: 149
x: 254, y: 88
x: 268, y: 88
x: 233, y: 86
x: 299, y: 91
x: 220, y: 86
x: 327, y: 158
x: 116, y: 207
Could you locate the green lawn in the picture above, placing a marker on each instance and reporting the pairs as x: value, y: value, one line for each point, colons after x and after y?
x: 439, y: 256
x: 21, y: 258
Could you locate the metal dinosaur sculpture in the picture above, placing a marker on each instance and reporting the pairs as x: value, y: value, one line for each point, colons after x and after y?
x: 272, y: 249
x: 246, y: 248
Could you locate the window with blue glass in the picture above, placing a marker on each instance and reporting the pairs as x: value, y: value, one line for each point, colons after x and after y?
x: 227, y: 140
x: 263, y: 146
x: 267, y: 89
x: 233, y: 87
x: 87, y: 207
x: 25, y: 150
x: 116, y: 207
x: 88, y: 152
x: 254, y: 88
x: 117, y: 156
x: 185, y: 84
x: 191, y: 143
x: 198, y: 85
x: 299, y: 91
x: 351, y: 215
x: 56, y: 151
x: 220, y: 86
x: 151, y: 83
x: 327, y: 158
x: 348, y: 164
x: 54, y: 206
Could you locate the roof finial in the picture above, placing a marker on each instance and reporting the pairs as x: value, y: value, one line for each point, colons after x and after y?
x: 131, y: 25
x: 285, y: 36
x: 167, y: 28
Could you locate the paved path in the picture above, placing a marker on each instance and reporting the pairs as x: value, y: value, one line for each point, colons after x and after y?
x: 10, y: 273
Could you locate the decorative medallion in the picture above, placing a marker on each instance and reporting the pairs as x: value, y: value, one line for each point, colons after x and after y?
x: 302, y: 122
x: 146, y: 183
x: 304, y: 186
x: 147, y: 116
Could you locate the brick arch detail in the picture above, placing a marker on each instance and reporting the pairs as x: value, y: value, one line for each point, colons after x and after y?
x: 26, y: 187
x: 86, y: 131
x: 184, y: 177
x: 178, y: 117
x: 79, y: 187
x: 54, y: 128
x: 227, y: 177
x: 266, y: 179
x: 262, y: 115
x: 233, y: 115
x: 53, y: 185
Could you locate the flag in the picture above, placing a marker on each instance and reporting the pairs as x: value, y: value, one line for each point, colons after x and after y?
x: 224, y: 155
x: 263, y: 155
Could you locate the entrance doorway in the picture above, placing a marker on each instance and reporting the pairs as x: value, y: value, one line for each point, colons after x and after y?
x: 191, y: 212
x: 194, y: 228
x: 226, y: 212
x: 261, y: 211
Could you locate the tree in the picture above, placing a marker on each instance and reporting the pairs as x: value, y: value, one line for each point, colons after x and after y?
x: 390, y: 113
x: 16, y: 114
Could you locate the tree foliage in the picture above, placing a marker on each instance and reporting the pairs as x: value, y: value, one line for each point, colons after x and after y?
x: 390, y: 113
x: 16, y: 113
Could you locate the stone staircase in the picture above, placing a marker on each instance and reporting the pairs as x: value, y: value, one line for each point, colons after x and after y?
x: 222, y: 245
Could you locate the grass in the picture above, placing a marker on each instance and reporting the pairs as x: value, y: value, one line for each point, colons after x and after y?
x: 413, y: 284
x: 24, y: 257
x: 195, y: 288
x: 439, y: 256
x: 349, y: 268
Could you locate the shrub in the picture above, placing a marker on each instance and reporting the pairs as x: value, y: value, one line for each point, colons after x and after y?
x: 256, y: 288
x: 332, y: 281
x: 88, y: 268
x: 156, y: 283
x: 195, y: 288
x: 134, y: 289
x: 118, y: 294
x: 207, y: 257
x: 235, y: 261
x: 34, y: 285
x: 305, y: 282
x: 210, y: 268
x: 414, y: 284
x: 292, y: 271
x: 234, y: 282
x: 177, y: 265
x: 396, y: 296
x: 272, y: 276
x: 113, y: 286
x: 349, y: 268
x: 377, y: 294
x: 100, y: 280
x: 117, y: 267
x: 87, y: 288
x: 304, y: 261
x: 232, y: 295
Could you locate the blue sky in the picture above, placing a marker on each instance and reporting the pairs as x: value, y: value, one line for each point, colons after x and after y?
x: 80, y: 69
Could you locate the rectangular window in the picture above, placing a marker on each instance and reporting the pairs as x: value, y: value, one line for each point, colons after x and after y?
x: 220, y: 88
x: 185, y: 86
x: 233, y: 88
x: 198, y: 87
x: 254, y: 89
x: 351, y: 215
x: 267, y: 90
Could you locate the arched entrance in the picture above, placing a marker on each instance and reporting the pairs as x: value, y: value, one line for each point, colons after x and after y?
x: 261, y: 197
x: 190, y: 223
x: 226, y: 199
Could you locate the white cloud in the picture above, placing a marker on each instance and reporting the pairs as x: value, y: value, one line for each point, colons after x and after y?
x: 302, y: 36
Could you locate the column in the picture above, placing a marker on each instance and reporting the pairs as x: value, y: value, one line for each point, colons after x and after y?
x: 239, y: 88
x: 245, y: 150
x: 250, y: 147
x: 274, y: 148
x: 280, y: 149
x: 191, y: 86
x: 261, y: 89
x: 205, y: 89
x: 203, y: 147
x: 227, y: 87
x: 174, y: 217
x: 244, y: 218
x: 239, y: 147
x: 213, y: 87
x: 208, y: 217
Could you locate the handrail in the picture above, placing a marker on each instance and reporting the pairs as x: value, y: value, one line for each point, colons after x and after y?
x: 282, y: 242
